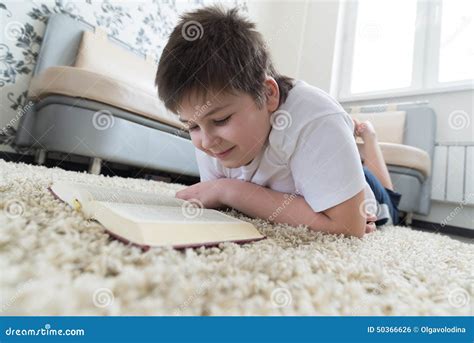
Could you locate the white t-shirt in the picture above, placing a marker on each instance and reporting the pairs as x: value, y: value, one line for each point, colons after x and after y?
x: 313, y: 155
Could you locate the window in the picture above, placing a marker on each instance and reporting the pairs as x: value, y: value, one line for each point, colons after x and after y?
x: 456, y: 53
x: 400, y: 47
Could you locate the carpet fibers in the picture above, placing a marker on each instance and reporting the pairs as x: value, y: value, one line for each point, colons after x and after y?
x: 54, y: 262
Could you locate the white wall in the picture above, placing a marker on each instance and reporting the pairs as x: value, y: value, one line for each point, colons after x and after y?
x: 301, y: 36
x: 281, y: 23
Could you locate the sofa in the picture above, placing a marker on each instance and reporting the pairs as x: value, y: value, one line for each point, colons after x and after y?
x: 94, y: 96
x: 406, y: 134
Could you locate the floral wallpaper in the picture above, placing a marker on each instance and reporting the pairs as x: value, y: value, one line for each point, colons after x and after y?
x: 142, y: 24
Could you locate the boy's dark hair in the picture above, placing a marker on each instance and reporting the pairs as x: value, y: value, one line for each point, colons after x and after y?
x: 215, y: 49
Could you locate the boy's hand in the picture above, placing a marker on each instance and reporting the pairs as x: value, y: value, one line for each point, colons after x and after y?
x: 212, y: 195
x: 209, y: 193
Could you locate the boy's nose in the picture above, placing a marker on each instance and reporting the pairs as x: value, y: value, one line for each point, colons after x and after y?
x: 209, y: 141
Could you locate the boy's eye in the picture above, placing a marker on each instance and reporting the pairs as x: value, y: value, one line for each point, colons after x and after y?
x: 223, y: 121
x: 217, y: 122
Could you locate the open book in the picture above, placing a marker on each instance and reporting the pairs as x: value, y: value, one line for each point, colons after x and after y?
x: 153, y: 220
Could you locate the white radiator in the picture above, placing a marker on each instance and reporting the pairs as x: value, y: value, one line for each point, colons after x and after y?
x: 453, y: 173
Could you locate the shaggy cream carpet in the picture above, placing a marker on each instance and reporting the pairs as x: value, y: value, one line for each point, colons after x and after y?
x: 54, y: 262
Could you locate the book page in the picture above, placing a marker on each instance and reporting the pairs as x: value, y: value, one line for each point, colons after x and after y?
x: 149, y: 213
x: 170, y: 226
x: 68, y: 191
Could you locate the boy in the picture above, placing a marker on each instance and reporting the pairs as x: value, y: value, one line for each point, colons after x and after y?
x: 260, y: 135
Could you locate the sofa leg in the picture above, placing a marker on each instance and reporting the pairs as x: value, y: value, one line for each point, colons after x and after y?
x: 40, y: 156
x: 95, y: 165
x: 409, y: 218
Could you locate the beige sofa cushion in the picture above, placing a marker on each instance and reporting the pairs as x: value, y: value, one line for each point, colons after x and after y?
x: 405, y: 156
x: 96, y: 53
x: 108, y: 73
x: 390, y: 126
x: 83, y: 83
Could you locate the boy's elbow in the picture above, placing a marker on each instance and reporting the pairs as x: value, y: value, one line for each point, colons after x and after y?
x: 358, y: 231
x: 357, y: 225
x: 346, y: 217
x: 354, y: 228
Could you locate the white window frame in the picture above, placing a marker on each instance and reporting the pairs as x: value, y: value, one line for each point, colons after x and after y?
x: 425, y: 56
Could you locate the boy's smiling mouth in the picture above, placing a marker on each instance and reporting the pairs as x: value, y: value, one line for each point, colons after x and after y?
x: 224, y: 153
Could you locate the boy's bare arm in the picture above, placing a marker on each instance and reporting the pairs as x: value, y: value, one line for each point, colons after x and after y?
x: 257, y: 201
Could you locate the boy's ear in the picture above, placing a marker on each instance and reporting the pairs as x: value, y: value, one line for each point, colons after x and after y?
x: 272, y: 93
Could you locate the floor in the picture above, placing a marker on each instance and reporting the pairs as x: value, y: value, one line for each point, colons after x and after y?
x: 55, y: 262
x: 462, y: 239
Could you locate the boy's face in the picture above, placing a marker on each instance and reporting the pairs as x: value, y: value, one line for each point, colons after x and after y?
x: 229, y: 121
